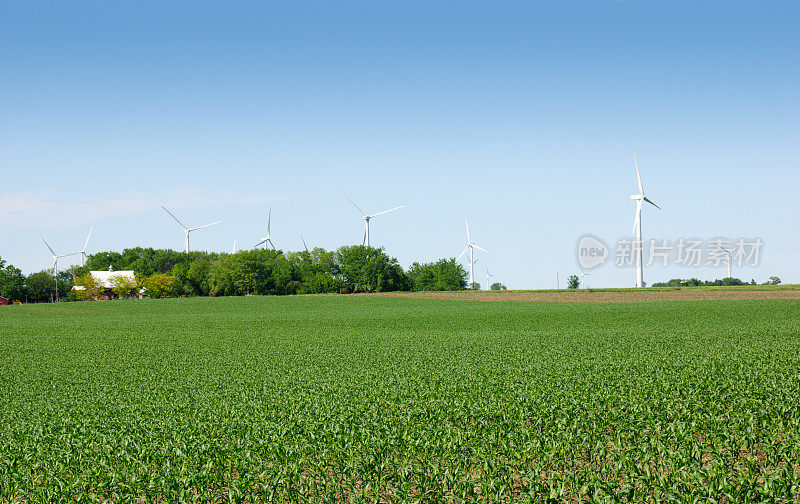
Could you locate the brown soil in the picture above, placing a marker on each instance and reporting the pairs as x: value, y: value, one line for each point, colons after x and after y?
x: 589, y: 296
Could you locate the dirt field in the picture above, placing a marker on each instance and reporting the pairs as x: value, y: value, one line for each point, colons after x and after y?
x: 601, y: 296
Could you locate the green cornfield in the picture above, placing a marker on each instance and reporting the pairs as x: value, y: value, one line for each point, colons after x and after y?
x: 382, y: 399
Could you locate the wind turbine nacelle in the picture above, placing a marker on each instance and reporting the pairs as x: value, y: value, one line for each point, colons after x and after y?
x: 636, y: 196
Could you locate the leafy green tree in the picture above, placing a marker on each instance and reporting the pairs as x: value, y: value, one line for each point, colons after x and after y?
x: 181, y: 273
x: 443, y: 275
x: 124, y: 287
x: 159, y: 285
x: 91, y: 289
x: 220, y: 276
x: 497, y: 286
x: 41, y: 287
x: 773, y: 280
x: 573, y: 282
x: 369, y: 269
x: 197, y: 278
x: 732, y: 281
x: 12, y: 282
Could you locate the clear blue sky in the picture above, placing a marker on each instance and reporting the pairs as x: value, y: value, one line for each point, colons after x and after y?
x: 521, y: 116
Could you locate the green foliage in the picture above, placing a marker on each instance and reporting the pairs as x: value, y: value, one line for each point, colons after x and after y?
x: 573, y: 282
x: 197, y: 280
x: 12, y: 282
x: 369, y: 269
x: 124, y: 287
x: 91, y: 289
x: 369, y: 399
x: 497, y: 286
x: 773, y: 280
x: 159, y: 285
x: 41, y: 287
x: 170, y: 273
x: 443, y: 275
x: 694, y: 282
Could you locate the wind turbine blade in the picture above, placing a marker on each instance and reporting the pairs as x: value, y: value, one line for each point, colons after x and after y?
x: 269, y: 220
x: 467, y: 222
x: 304, y: 243
x: 173, y: 216
x: 462, y: 252
x: 207, y: 225
x: 387, y: 211
x: 87, y: 239
x: 364, y: 241
x: 354, y: 204
x: 479, y: 248
x: 638, y: 176
x: 51, y: 250
x: 648, y: 200
x: 262, y: 242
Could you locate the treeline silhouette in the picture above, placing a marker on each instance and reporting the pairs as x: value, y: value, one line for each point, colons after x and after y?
x: 168, y: 273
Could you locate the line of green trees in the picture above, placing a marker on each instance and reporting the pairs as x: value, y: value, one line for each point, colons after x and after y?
x: 694, y: 282
x: 167, y: 273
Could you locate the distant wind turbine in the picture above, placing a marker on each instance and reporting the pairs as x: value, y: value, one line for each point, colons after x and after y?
x: 304, y: 243
x: 82, y: 251
x: 637, y: 223
x: 488, y: 276
x: 266, y: 241
x: 583, y: 282
x: 368, y: 217
x: 730, y: 254
x: 187, y: 230
x: 233, y: 251
x: 471, y: 247
x: 56, y: 257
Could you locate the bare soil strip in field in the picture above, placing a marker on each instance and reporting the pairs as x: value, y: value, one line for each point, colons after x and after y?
x: 590, y: 296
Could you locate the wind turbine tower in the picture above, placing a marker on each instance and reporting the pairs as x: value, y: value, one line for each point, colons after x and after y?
x: 730, y: 257
x: 56, y: 257
x: 637, y: 224
x: 471, y: 248
x: 266, y: 241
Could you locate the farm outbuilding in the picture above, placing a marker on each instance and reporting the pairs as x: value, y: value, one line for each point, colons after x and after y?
x: 105, y: 280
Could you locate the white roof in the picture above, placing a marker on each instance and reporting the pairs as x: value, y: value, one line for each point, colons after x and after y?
x: 103, y: 278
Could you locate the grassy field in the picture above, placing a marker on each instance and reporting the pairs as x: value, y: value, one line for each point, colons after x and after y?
x: 382, y: 399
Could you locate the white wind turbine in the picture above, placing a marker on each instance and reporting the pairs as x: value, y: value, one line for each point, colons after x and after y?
x: 56, y: 257
x: 233, y: 251
x: 187, y: 230
x: 471, y: 247
x: 368, y: 217
x: 637, y: 224
x: 583, y: 283
x: 488, y: 276
x: 266, y: 241
x: 82, y: 251
x: 730, y: 257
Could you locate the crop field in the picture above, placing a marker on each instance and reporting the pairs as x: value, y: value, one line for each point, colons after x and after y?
x: 391, y: 399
